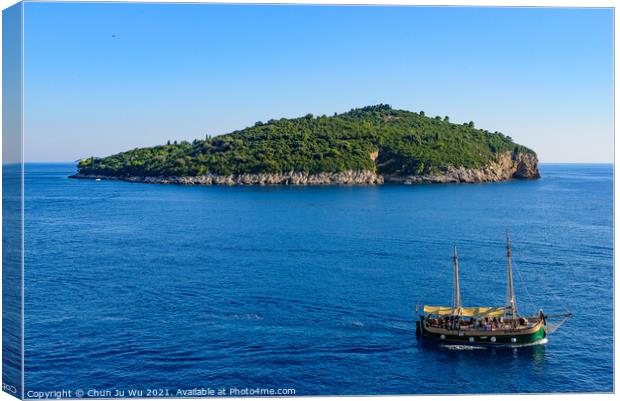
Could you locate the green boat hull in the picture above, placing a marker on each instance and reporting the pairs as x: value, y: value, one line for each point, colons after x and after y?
x: 489, y: 339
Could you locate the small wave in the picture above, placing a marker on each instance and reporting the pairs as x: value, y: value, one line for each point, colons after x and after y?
x: 463, y: 347
x: 112, y: 319
x: 543, y: 341
x: 459, y: 347
x: 247, y: 316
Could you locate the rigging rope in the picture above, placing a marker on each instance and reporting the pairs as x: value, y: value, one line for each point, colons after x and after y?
x: 559, y: 302
x: 440, y: 275
x: 551, y: 328
x: 527, y: 293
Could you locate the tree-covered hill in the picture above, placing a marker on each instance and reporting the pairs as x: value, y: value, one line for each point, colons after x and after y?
x: 374, y: 138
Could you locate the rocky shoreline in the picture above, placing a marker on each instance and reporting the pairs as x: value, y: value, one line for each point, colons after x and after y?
x: 506, y: 166
x: 293, y: 178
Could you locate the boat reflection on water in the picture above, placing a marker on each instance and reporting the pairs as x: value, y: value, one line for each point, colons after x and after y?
x: 464, y: 356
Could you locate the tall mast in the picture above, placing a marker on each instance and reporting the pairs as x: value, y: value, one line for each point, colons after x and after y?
x: 511, y: 291
x: 457, y: 288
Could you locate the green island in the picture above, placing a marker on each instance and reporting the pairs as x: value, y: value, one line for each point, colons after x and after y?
x: 368, y: 145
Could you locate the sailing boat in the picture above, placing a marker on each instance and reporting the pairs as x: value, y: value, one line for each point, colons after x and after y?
x: 495, y: 325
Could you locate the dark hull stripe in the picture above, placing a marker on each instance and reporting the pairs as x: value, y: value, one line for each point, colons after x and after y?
x: 499, y: 339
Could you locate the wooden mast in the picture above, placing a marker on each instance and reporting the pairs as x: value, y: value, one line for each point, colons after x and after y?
x: 457, y: 288
x: 512, y: 305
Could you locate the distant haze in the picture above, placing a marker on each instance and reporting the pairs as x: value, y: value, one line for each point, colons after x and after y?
x: 101, y: 78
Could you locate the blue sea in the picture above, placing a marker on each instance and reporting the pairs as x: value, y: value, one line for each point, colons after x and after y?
x: 139, y: 286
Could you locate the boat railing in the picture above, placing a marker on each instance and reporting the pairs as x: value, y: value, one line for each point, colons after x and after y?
x: 504, y: 325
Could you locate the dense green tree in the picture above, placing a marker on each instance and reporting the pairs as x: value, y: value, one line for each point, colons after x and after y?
x: 405, y: 143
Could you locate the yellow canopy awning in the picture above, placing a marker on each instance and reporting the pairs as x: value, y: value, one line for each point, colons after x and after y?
x: 479, y: 311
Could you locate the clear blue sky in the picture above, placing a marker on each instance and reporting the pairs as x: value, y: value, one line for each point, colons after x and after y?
x: 102, y: 78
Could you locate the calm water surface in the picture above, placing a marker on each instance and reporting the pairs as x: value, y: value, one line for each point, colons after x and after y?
x: 312, y: 288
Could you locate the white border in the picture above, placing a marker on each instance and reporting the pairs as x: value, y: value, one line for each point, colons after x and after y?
x: 484, y: 3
